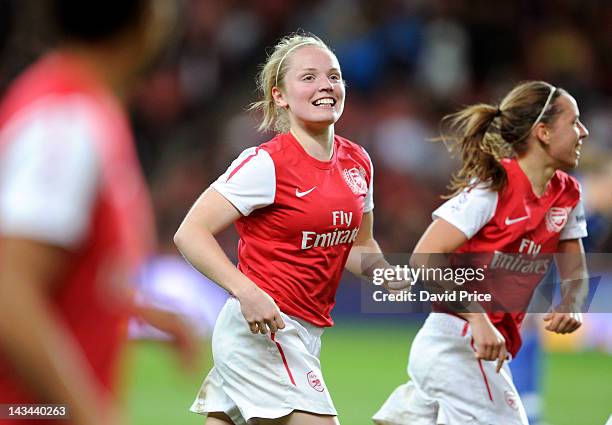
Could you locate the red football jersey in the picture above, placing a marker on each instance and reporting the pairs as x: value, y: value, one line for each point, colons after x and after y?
x: 300, y: 219
x: 515, y: 221
x: 44, y: 106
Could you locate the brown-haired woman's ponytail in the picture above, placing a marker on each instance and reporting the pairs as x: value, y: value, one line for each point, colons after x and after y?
x: 484, y: 135
x: 474, y: 132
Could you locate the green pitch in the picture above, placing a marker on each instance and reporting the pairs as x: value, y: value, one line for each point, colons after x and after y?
x: 362, y: 365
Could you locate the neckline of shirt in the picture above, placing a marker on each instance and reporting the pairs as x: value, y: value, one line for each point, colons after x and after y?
x: 324, y: 165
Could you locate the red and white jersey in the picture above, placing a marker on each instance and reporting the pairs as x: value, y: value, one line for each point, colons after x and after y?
x: 516, y: 221
x: 70, y: 177
x: 300, y: 219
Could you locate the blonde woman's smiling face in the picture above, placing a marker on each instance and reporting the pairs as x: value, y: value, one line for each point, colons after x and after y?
x: 312, y: 89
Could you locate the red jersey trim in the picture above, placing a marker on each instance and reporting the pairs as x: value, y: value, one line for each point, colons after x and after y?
x: 282, y: 354
x: 247, y: 159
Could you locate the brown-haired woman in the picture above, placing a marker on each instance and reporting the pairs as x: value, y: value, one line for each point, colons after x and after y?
x: 510, y: 196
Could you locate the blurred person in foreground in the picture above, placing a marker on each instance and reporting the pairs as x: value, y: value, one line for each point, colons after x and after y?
x: 75, y: 215
x: 510, y: 196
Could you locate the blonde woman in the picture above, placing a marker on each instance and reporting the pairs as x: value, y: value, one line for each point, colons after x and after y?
x: 302, y: 205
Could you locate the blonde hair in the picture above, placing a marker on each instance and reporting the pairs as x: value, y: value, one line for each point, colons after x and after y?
x: 485, y: 134
x: 272, y: 74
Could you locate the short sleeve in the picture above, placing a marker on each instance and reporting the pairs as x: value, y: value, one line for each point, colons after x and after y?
x: 470, y: 210
x: 576, y: 227
x: 369, y: 200
x: 49, y: 176
x: 250, y: 181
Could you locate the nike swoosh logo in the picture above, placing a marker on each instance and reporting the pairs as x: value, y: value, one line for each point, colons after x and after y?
x: 515, y: 220
x: 301, y: 194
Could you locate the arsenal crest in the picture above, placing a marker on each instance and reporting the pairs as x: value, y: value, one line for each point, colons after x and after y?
x: 355, y: 180
x: 511, y: 400
x: 315, y: 382
x: 556, y: 217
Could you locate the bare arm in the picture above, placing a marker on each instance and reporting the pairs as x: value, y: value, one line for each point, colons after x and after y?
x: 35, y: 341
x: 365, y: 244
x: 195, y: 238
x: 442, y: 237
x: 567, y: 317
x: 366, y: 255
x: 184, y: 338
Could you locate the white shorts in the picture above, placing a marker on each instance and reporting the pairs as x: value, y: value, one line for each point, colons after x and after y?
x: 263, y: 376
x: 449, y: 384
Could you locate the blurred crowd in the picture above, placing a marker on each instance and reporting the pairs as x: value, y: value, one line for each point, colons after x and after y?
x: 406, y: 64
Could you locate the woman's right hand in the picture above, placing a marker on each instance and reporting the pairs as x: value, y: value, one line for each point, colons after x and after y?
x: 490, y: 344
x: 259, y: 310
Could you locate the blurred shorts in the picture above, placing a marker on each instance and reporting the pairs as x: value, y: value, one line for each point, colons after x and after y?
x: 263, y: 376
x: 449, y: 385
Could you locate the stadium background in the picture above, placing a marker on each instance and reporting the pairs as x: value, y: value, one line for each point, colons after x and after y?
x: 406, y: 64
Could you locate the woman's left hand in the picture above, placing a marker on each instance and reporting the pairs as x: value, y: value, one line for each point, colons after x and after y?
x: 562, y: 323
